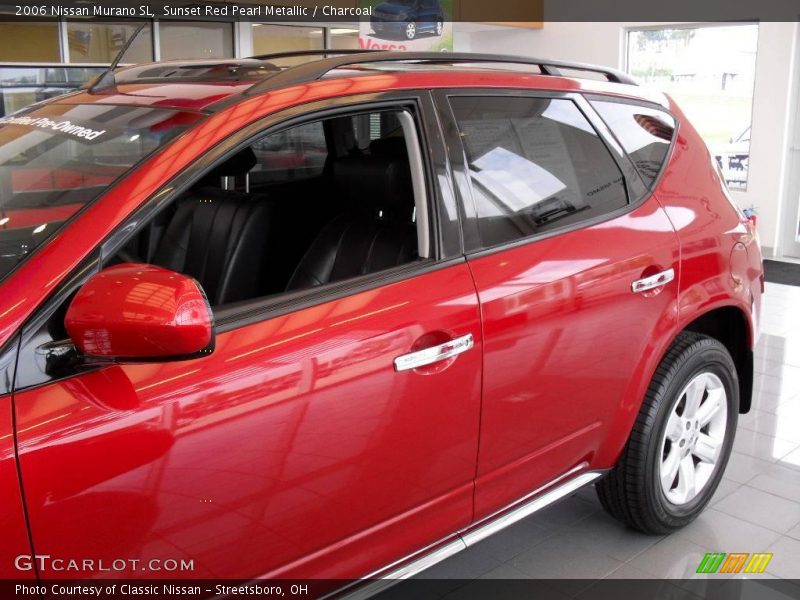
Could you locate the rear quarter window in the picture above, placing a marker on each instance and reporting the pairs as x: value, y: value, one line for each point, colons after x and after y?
x: 645, y: 133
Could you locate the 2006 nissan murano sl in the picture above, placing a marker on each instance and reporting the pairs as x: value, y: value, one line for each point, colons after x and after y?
x: 343, y: 318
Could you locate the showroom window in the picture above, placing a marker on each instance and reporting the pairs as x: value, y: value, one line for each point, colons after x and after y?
x: 195, y: 40
x: 101, y: 42
x: 535, y: 164
x: 342, y: 38
x: 280, y: 38
x: 710, y: 71
x: 43, y: 60
x: 30, y: 42
x: 21, y: 86
x: 645, y: 133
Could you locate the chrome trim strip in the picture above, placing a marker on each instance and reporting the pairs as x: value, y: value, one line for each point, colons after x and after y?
x: 428, y: 356
x: 362, y: 592
x: 529, y: 504
x: 495, y: 524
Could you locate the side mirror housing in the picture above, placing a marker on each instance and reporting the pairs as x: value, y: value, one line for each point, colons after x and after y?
x: 139, y: 313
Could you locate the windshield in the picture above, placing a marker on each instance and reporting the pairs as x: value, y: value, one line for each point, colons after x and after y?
x: 56, y: 159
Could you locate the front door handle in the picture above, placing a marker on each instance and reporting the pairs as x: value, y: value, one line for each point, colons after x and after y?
x: 652, y: 282
x: 428, y: 356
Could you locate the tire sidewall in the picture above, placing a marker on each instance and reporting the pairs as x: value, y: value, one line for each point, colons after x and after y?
x: 696, y: 360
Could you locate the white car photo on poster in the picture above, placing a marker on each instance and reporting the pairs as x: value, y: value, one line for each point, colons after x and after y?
x: 407, y: 25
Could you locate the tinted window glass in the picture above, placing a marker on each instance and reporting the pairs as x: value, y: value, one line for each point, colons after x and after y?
x: 644, y: 132
x: 296, y: 153
x: 59, y: 157
x: 536, y: 164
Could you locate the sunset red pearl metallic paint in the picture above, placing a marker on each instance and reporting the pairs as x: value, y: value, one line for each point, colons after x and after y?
x: 295, y: 449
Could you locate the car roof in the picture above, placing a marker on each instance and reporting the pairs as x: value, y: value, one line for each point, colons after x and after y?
x: 208, y: 85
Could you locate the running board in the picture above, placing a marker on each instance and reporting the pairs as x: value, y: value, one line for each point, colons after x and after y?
x: 533, y: 502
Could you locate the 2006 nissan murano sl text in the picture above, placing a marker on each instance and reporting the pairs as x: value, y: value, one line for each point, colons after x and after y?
x: 343, y: 318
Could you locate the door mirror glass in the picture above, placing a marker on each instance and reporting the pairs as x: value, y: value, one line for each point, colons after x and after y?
x: 139, y: 312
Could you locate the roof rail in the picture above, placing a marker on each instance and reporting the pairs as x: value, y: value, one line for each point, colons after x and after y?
x: 314, y: 70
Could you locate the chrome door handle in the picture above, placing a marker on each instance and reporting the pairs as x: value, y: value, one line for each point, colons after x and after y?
x: 652, y: 282
x: 428, y: 356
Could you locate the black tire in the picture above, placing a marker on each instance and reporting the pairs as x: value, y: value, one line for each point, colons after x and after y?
x: 410, y: 35
x: 632, y: 492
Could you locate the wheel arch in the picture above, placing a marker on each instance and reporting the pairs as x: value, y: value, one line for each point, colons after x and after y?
x: 728, y: 323
x: 730, y: 326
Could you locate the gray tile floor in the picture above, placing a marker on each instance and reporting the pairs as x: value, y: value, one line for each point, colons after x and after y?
x: 755, y: 509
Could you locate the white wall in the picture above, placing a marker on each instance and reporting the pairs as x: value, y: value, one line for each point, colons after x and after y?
x: 603, y: 43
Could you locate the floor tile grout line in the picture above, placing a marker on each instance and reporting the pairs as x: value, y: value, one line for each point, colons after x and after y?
x: 773, y: 495
x: 759, y: 524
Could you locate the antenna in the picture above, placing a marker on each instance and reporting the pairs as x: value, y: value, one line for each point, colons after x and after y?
x: 106, y: 79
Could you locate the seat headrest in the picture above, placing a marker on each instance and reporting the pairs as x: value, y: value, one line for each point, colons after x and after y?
x: 238, y: 164
x: 389, y: 146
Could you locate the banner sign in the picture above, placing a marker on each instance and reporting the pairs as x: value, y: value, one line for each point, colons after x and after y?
x: 407, y: 25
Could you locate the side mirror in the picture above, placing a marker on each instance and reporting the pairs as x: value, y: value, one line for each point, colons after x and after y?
x: 133, y: 312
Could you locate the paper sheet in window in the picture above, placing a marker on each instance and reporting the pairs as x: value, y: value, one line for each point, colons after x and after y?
x: 514, y: 180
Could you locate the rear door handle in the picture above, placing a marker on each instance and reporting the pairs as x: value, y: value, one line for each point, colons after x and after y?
x: 428, y: 356
x: 652, y: 282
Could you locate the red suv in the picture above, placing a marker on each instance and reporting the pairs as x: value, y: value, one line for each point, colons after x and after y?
x: 347, y: 318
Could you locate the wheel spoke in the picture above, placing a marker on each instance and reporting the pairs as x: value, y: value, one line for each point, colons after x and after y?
x: 694, y: 394
x: 693, y: 438
x: 710, y: 407
x: 707, y: 448
x: 674, y: 427
x: 685, y: 489
x: 669, y: 468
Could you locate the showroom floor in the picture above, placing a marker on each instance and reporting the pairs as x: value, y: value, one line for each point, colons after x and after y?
x: 755, y: 509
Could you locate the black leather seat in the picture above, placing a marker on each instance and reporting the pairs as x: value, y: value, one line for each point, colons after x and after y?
x: 221, y: 237
x: 377, y: 231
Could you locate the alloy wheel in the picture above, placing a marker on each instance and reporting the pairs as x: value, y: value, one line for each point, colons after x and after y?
x: 693, y: 438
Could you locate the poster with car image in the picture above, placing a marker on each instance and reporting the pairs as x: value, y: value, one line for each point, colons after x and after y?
x: 407, y: 25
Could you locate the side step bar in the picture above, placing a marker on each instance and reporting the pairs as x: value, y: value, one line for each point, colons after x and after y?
x: 533, y: 502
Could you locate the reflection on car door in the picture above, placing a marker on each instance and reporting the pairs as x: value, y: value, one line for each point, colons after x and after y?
x: 295, y: 449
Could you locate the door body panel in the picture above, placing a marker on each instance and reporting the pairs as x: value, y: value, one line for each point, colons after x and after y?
x: 294, y: 450
x: 567, y: 346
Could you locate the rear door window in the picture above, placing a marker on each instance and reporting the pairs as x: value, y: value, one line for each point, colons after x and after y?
x: 644, y: 132
x: 535, y: 164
